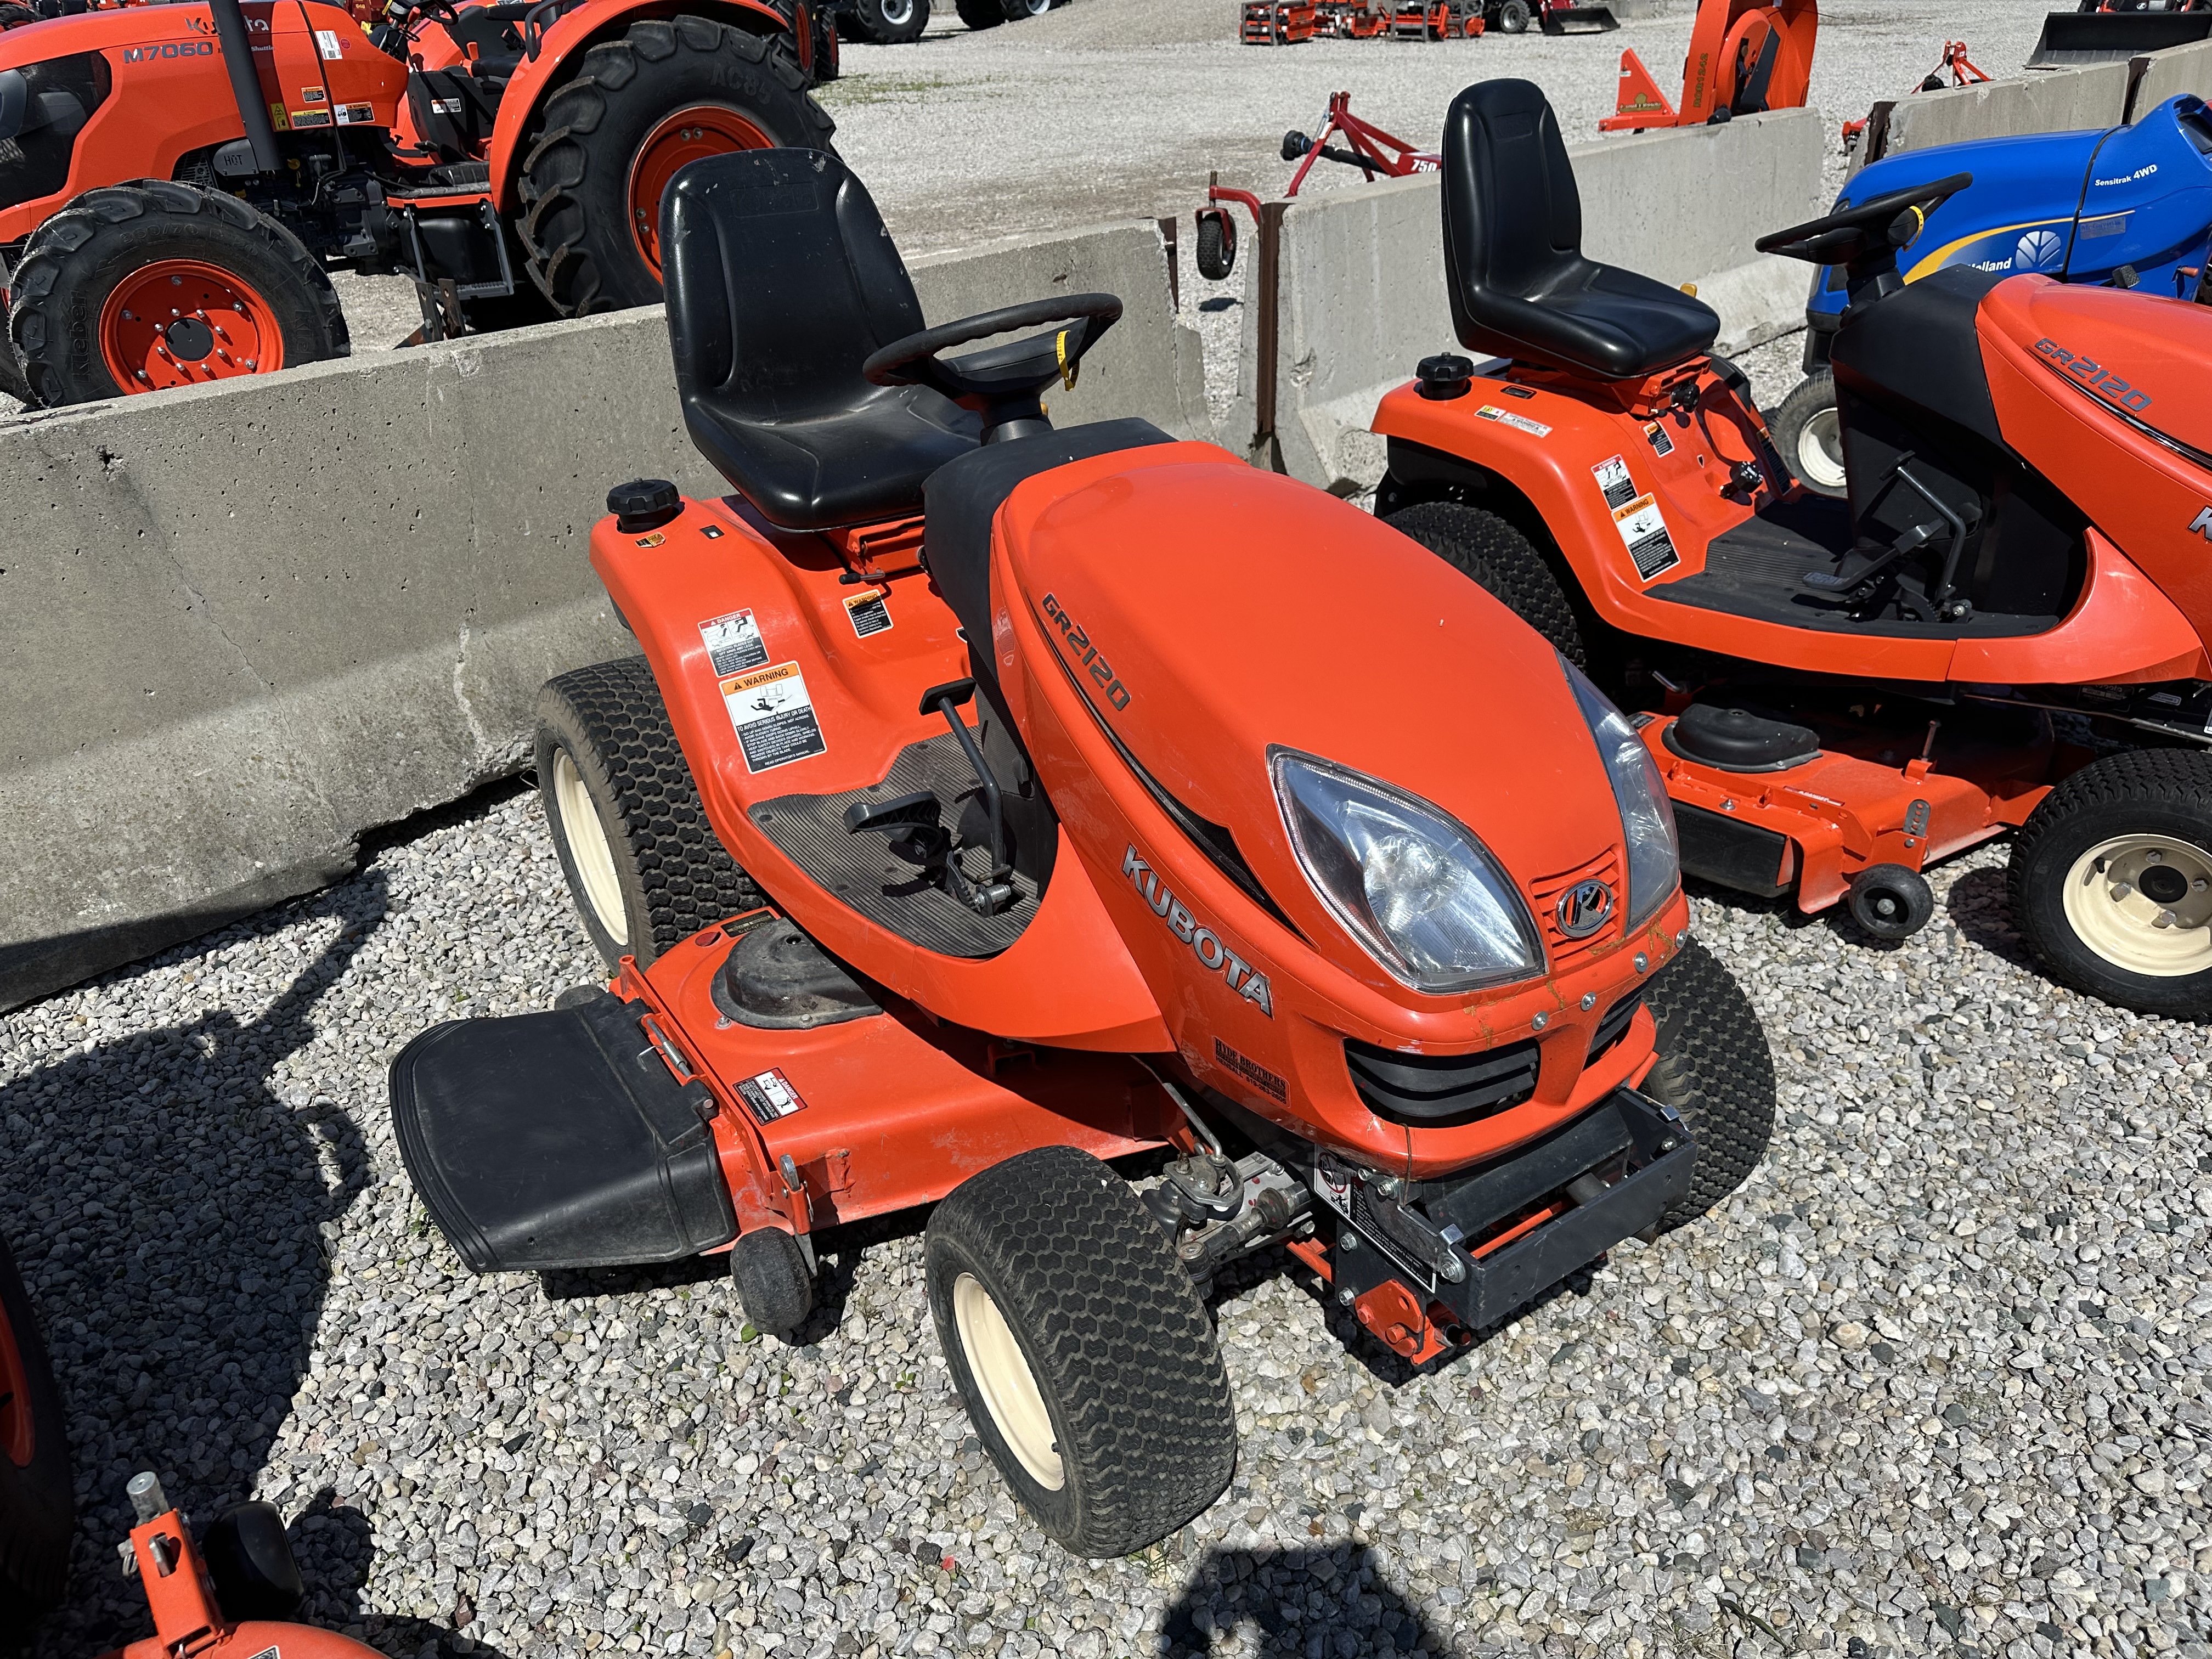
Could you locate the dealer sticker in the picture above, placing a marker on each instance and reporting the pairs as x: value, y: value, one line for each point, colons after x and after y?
x: 1644, y: 530
x: 774, y: 717
x: 1612, y: 477
x: 1518, y: 423
x: 327, y: 41
x: 733, y: 642
x: 871, y: 613
x: 769, y: 1096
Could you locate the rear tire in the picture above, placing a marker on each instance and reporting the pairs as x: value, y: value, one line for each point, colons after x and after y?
x: 889, y: 22
x: 1081, y: 1349
x: 38, y: 1495
x: 1513, y: 17
x: 70, y: 340
x: 645, y: 867
x: 2140, y: 820
x: 591, y: 247
x: 1502, y: 562
x: 980, y: 14
x: 1016, y: 10
x: 1805, y: 430
x: 1715, y: 1068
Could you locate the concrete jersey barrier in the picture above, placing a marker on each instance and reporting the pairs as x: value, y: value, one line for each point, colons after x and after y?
x: 246, y: 622
x: 2037, y: 100
x: 1361, y: 288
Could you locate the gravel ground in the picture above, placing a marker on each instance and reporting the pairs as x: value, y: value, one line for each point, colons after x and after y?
x: 1931, y: 1383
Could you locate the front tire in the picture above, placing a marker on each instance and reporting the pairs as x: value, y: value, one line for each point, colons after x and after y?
x: 890, y: 23
x: 1715, y: 1068
x: 2111, y: 882
x: 644, y: 866
x: 141, y: 287
x: 1502, y: 562
x: 1081, y: 1349
x: 1017, y: 10
x: 1513, y: 17
x: 606, y: 144
x: 38, y: 1493
x: 1806, y: 432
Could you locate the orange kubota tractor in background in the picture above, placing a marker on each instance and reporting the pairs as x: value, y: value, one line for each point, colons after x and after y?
x: 174, y: 180
x: 1746, y: 56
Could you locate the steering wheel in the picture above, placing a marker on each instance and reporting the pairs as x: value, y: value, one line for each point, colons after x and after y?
x: 1011, y: 374
x: 1883, y: 224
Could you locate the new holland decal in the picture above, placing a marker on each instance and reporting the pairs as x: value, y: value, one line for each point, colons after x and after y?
x: 1205, y: 942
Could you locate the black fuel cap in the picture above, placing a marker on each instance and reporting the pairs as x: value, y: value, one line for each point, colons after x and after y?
x: 643, y: 504
x: 1443, y: 377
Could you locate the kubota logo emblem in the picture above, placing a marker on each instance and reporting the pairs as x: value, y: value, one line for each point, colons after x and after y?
x: 1582, y: 908
x: 1204, y: 942
x: 2202, y: 525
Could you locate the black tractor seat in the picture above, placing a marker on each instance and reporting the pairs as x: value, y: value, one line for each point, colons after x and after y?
x: 1520, y: 286
x: 965, y: 496
x: 781, y: 281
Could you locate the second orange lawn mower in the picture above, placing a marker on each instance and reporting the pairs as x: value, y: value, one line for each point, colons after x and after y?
x: 998, y: 814
x: 2003, y: 628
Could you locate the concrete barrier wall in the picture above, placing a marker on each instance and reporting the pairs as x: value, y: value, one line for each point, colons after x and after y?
x: 2043, y: 101
x: 246, y: 623
x: 2159, y: 76
x: 1362, y: 288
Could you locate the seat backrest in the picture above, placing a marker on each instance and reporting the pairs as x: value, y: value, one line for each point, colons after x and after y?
x: 1513, y: 219
x: 781, y: 281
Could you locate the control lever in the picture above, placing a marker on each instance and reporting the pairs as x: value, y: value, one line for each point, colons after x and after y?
x: 996, y: 891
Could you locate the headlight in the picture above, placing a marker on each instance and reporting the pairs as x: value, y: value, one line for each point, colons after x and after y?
x: 1415, y: 888
x: 1647, y: 816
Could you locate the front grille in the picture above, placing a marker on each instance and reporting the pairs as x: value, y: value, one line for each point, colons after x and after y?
x: 1614, y: 1025
x: 1546, y: 892
x: 1441, y: 1091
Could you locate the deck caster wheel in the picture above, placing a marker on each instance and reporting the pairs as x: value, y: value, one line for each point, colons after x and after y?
x: 250, y: 1559
x: 2111, y: 882
x: 1081, y: 1351
x: 1216, y: 243
x: 1714, y: 1067
x: 1891, y: 901
x: 774, y: 1287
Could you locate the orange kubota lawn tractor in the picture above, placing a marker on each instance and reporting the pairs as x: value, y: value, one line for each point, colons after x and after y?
x: 2001, y: 629
x: 998, y: 814
x: 174, y: 179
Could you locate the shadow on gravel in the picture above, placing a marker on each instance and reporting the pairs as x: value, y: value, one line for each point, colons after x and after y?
x: 1294, y: 1599
x: 166, y: 1208
x: 1981, y: 910
x: 335, y: 1544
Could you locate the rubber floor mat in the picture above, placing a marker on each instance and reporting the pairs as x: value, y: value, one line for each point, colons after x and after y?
x: 860, y: 869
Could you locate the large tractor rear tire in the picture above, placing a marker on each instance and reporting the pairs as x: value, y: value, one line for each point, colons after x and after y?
x: 644, y: 865
x: 144, y: 286
x: 980, y: 14
x: 606, y: 144
x: 38, y: 1494
x: 887, y: 22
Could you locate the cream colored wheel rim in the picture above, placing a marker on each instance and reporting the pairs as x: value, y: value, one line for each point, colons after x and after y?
x: 1820, y: 449
x: 1003, y: 1377
x: 2144, y: 903
x: 588, y: 848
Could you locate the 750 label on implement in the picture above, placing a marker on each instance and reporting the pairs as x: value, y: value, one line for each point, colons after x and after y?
x: 773, y: 716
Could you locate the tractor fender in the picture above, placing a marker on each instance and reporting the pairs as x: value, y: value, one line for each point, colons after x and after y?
x: 563, y: 50
x: 2121, y: 631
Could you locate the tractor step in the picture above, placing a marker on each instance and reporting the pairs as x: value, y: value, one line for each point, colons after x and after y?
x: 559, y: 1139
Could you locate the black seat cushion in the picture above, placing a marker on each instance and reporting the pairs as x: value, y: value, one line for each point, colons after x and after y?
x: 1513, y: 261
x: 965, y: 497
x: 781, y: 281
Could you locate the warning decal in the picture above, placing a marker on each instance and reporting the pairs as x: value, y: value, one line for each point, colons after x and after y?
x: 1661, y: 443
x: 733, y: 642
x: 871, y: 612
x: 1612, y: 477
x: 769, y: 1096
x: 1644, y: 530
x: 1518, y: 423
x: 774, y: 717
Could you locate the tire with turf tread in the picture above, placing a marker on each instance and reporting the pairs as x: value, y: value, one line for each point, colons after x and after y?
x: 1502, y: 562
x: 887, y: 22
x: 2158, y: 798
x: 1804, y: 431
x: 1056, y: 1297
x: 1715, y: 1068
x: 576, y: 229
x: 980, y: 14
x: 609, y: 765
x: 74, y: 261
x: 38, y: 1497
